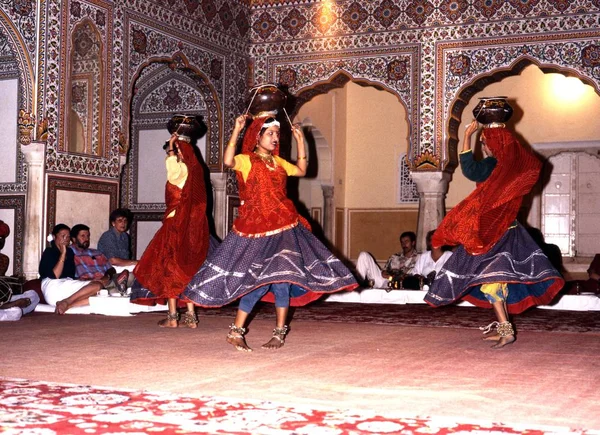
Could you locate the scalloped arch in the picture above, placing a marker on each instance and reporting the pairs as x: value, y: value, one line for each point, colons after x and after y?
x: 339, y: 80
x: 478, y: 83
x: 178, y: 61
x: 22, y: 57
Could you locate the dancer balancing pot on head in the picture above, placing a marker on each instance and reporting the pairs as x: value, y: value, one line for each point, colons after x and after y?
x: 270, y: 254
x: 181, y: 244
x: 496, y: 264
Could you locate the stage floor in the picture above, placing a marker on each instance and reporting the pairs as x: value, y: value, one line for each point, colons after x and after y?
x: 544, y: 378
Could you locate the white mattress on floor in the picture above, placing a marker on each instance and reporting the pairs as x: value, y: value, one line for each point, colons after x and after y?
x: 381, y: 296
x: 108, y: 306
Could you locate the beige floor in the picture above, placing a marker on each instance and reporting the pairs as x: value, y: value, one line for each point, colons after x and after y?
x: 542, y: 379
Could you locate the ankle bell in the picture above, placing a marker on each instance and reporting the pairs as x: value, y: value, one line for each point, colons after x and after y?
x: 505, y: 329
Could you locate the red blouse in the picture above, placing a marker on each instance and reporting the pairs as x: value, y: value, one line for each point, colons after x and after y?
x: 265, y: 208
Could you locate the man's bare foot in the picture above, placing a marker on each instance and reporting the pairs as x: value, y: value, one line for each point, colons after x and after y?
x: 503, y: 341
x: 21, y: 303
x: 170, y: 322
x: 236, y: 338
x: 278, y: 339
x: 61, y: 307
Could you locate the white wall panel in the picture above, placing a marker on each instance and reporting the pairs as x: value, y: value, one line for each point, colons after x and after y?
x: 8, y: 130
x: 91, y: 209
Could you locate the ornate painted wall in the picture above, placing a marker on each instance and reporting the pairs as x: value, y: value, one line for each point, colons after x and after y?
x: 208, y: 39
x: 433, y: 55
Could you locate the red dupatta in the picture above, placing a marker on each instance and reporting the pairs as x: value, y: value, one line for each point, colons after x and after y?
x: 480, y: 220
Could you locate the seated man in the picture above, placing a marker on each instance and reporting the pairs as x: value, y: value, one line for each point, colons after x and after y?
x: 428, y: 265
x: 91, y: 264
x: 115, y: 243
x: 398, y: 264
x: 57, y: 273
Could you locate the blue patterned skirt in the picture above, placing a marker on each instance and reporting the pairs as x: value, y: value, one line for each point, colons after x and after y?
x: 516, y: 260
x: 241, y: 264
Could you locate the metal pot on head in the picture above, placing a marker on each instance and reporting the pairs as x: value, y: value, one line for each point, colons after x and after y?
x: 492, y: 110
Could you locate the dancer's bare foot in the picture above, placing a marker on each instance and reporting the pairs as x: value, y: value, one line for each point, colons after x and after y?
x: 170, y: 322
x: 21, y: 303
x: 503, y: 341
x: 278, y: 339
x: 236, y: 338
x: 61, y: 307
x: 493, y: 337
x: 239, y: 343
x: 273, y: 343
x: 189, y: 319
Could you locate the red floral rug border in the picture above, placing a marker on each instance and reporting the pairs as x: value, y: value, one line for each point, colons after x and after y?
x: 43, y: 408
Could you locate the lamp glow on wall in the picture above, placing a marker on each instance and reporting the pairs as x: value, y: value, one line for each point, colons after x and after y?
x: 568, y: 90
x: 326, y: 15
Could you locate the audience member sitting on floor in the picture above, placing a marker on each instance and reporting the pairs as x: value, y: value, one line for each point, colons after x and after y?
x: 115, y: 243
x: 57, y: 272
x: 398, y: 264
x: 91, y: 264
x: 4, y: 260
x: 18, y: 305
x: 428, y: 264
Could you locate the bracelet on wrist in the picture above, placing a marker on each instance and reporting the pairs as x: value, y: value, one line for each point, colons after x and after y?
x: 302, y: 158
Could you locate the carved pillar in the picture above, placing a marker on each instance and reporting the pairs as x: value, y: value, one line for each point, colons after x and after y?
x: 328, y: 209
x: 432, y: 188
x: 219, y: 185
x: 34, y: 208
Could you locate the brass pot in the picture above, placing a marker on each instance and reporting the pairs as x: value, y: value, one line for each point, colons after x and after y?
x: 266, y: 100
x: 187, y: 127
x: 492, y: 110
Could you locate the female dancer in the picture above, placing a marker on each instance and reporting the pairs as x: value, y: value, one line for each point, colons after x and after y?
x: 270, y: 253
x: 180, y: 246
x: 497, y: 262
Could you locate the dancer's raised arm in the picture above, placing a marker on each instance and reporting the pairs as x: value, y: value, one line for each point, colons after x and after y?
x: 229, y: 153
x: 301, y: 159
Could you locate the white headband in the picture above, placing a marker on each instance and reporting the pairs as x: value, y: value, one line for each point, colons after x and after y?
x: 271, y: 124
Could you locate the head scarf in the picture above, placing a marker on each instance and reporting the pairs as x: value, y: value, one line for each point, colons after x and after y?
x: 251, y: 136
x: 480, y: 220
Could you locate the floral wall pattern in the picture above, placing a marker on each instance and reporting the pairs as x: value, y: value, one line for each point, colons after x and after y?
x: 211, y: 34
x: 453, y: 43
x: 160, y: 92
x: 431, y: 54
x: 62, y: 21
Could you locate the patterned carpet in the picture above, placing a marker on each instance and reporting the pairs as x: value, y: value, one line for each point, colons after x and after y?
x: 422, y: 315
x: 47, y: 408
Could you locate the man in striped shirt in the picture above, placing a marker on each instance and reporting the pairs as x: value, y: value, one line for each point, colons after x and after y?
x: 91, y: 264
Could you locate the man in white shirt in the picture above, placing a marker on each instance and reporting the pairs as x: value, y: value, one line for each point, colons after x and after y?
x: 398, y: 264
x: 431, y: 261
